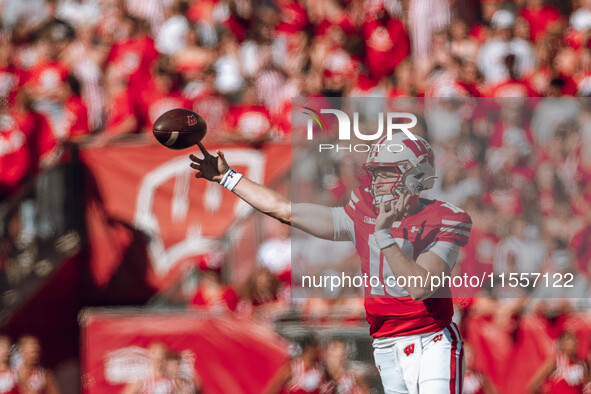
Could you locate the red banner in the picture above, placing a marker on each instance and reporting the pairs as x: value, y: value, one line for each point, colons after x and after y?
x: 150, y: 190
x: 224, y: 355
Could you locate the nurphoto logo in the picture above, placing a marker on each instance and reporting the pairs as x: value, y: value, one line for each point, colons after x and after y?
x: 393, y: 120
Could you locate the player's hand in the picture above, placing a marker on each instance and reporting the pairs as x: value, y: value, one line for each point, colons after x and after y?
x: 391, y: 211
x: 210, y: 167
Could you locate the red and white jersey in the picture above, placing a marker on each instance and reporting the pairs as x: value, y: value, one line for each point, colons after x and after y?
x: 305, y: 380
x: 15, y: 158
x: 390, y: 310
x: 8, y: 382
x: 568, y: 377
x: 36, y: 382
x: 162, y: 385
x: 473, y: 383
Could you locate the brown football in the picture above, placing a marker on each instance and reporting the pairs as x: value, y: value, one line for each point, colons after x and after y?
x: 179, y: 128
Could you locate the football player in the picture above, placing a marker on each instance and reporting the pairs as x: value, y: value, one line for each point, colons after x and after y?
x: 417, y: 347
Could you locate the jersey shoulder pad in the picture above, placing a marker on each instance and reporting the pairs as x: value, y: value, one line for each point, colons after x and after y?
x: 454, y: 223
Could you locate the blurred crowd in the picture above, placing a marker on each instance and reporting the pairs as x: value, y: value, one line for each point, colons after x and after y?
x: 21, y: 370
x: 70, y: 68
x: 98, y: 70
x: 167, y: 373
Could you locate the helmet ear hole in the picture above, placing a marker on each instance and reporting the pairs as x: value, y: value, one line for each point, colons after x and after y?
x: 413, y: 185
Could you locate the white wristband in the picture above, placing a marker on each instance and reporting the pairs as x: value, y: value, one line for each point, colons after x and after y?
x: 230, y: 179
x: 384, y: 238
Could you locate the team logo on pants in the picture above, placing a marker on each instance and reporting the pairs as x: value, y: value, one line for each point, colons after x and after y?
x: 410, y: 349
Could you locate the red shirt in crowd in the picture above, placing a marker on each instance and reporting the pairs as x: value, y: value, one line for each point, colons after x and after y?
x: 386, y: 45
x: 569, y: 377
x: 539, y: 20
x: 474, y: 383
x: 133, y: 58
x: 35, y: 383
x: 227, y: 299
x: 154, y: 103
x: 8, y: 382
x: 293, y: 17
x: 212, y: 106
x: 249, y: 121
x: 77, y: 117
x: 42, y: 142
x: 15, y: 157
x: 479, y: 252
x: 581, y: 243
x: 513, y: 88
x: 343, y: 20
x: 9, y: 83
x: 305, y: 380
x: 500, y: 130
x: 120, y: 109
x: 47, y: 76
x: 507, y: 202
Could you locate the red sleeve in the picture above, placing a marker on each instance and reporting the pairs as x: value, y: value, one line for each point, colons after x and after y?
x: 351, y: 206
x: 119, y: 110
x: 150, y: 53
x: 80, y: 112
x: 45, y: 139
x: 231, y: 298
x: 232, y: 119
x: 112, y: 53
x: 401, y: 41
x: 455, y: 225
x: 198, y: 299
x: 14, y: 161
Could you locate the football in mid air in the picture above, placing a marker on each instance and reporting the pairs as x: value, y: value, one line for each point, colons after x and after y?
x: 179, y: 128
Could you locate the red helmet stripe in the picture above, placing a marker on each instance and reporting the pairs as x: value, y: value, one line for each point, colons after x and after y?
x: 417, y: 147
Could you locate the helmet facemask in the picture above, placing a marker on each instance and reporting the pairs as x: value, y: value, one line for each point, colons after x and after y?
x: 410, y: 170
x: 395, y: 188
x: 409, y: 179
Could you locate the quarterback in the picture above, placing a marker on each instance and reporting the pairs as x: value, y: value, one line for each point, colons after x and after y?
x: 417, y: 347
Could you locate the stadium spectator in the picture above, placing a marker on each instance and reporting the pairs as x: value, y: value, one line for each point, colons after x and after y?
x: 462, y: 45
x: 563, y: 372
x: 211, y: 293
x: 248, y: 122
x: 229, y: 78
x: 307, y: 374
x: 275, y: 252
x: 492, y: 54
x: 156, y: 380
x: 32, y: 378
x: 263, y: 296
x: 15, y: 155
x: 172, y: 35
x: 386, y: 42
x: 162, y: 93
x: 342, y: 379
x: 522, y: 250
x: 121, y: 115
x: 479, y: 253
x: 475, y: 382
x: 208, y: 102
x: 185, y: 380
x: 8, y: 382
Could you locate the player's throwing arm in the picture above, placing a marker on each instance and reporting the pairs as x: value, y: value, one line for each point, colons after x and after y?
x: 313, y: 218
